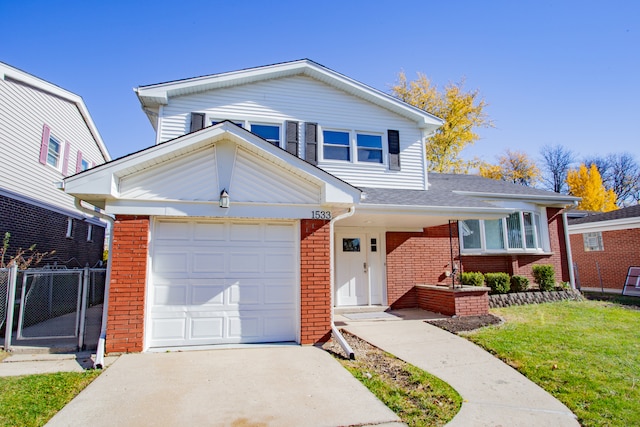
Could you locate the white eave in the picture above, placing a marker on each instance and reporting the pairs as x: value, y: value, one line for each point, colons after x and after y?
x: 600, y: 226
x: 453, y: 213
x: 11, y: 73
x: 152, y: 96
x: 555, y: 201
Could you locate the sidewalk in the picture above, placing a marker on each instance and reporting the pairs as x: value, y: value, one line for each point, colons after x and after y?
x: 494, y: 394
x: 43, y: 363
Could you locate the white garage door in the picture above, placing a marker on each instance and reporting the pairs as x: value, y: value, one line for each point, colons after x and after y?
x: 223, y: 282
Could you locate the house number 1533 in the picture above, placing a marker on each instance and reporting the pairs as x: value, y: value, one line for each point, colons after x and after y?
x: 320, y: 214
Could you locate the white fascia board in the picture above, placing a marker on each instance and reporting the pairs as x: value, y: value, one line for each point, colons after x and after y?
x: 50, y: 88
x: 159, y: 94
x: 212, y: 209
x: 460, y: 213
x: 602, y: 226
x: 557, y: 201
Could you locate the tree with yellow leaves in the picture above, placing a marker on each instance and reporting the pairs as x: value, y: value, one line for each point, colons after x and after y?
x: 513, y: 166
x: 587, y: 183
x: 462, y: 112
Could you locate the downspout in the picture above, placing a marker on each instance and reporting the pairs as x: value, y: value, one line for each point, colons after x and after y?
x: 99, y: 362
x: 336, y: 333
x: 567, y: 243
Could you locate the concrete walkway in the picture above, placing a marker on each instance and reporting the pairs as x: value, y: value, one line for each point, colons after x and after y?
x: 43, y: 363
x: 494, y: 393
x: 256, y: 386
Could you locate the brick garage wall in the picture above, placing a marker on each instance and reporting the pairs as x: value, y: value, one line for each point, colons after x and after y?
x: 315, y: 281
x: 32, y: 224
x: 620, y: 252
x: 125, y: 321
x: 414, y: 258
x: 522, y: 264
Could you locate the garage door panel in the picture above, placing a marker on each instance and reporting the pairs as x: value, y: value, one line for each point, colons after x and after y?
x: 209, y: 232
x: 173, y: 294
x: 210, y: 294
x: 210, y: 328
x: 208, y: 262
x: 170, y: 262
x: 229, y: 282
x: 244, y: 262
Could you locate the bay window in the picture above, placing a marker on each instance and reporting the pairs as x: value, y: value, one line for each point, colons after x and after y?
x: 519, y: 232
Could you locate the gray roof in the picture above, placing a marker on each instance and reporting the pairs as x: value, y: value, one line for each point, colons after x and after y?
x: 457, y: 190
x: 623, y: 213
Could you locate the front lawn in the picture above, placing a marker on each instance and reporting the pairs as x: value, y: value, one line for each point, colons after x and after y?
x: 33, y: 399
x: 587, y: 354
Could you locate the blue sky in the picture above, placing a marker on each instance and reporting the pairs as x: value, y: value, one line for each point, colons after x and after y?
x: 553, y: 72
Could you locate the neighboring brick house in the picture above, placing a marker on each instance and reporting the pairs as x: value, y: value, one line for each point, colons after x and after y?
x: 46, y: 134
x: 604, y: 246
x: 276, y: 194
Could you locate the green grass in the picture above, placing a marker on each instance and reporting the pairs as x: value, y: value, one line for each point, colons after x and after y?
x: 33, y: 399
x: 587, y: 354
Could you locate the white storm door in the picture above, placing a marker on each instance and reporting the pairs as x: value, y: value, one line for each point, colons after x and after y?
x: 352, y: 279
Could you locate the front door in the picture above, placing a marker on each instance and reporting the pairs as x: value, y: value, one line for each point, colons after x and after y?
x: 358, y: 269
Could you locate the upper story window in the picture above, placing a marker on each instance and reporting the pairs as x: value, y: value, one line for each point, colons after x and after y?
x: 237, y: 123
x: 269, y: 132
x: 369, y: 148
x: 336, y: 145
x: 84, y: 165
x: 520, y: 231
x: 53, y: 152
x: 339, y: 145
x: 593, y: 242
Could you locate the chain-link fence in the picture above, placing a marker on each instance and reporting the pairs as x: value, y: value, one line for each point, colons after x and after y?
x: 57, y: 304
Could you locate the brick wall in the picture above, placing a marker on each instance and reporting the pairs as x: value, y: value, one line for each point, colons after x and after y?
x: 315, y: 281
x: 423, y: 258
x: 414, y: 258
x: 125, y: 322
x: 31, y: 224
x: 620, y: 252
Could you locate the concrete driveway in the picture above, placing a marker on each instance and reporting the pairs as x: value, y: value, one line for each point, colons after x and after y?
x: 252, y: 386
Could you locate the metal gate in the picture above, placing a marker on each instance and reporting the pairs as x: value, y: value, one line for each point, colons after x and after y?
x: 57, y: 305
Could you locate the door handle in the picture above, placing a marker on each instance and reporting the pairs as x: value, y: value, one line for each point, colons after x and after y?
x: 364, y: 265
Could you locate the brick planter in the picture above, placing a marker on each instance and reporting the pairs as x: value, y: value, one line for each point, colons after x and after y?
x: 465, y: 301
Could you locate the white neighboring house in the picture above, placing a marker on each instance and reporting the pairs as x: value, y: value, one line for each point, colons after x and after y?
x: 46, y: 134
x: 274, y: 195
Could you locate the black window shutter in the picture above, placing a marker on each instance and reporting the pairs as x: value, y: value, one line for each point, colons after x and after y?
x: 311, y: 142
x: 197, y: 121
x: 393, y: 138
x: 292, y: 137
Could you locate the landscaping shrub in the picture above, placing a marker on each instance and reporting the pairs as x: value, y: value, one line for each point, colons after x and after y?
x: 472, y: 278
x: 498, y: 282
x: 519, y: 283
x: 545, y: 276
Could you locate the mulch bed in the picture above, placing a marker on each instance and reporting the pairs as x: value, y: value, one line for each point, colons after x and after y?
x: 465, y: 323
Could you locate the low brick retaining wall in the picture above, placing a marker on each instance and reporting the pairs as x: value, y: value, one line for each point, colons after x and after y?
x: 536, y: 297
x: 465, y: 301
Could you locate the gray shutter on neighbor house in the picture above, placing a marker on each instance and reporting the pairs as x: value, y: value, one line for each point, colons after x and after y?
x: 292, y: 137
x: 311, y: 142
x: 393, y: 138
x: 197, y: 121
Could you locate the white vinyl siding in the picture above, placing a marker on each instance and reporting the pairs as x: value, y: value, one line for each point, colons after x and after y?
x: 304, y: 99
x: 23, y: 113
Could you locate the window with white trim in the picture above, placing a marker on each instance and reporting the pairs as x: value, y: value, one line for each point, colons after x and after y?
x: 369, y: 148
x: 519, y: 232
x: 269, y: 132
x: 53, y: 152
x: 593, y: 242
x: 336, y: 145
x: 352, y: 146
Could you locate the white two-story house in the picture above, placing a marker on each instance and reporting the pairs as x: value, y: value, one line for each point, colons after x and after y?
x: 275, y: 194
x: 46, y: 134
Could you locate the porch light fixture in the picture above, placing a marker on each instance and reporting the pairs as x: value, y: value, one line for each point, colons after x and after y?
x: 224, y: 199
